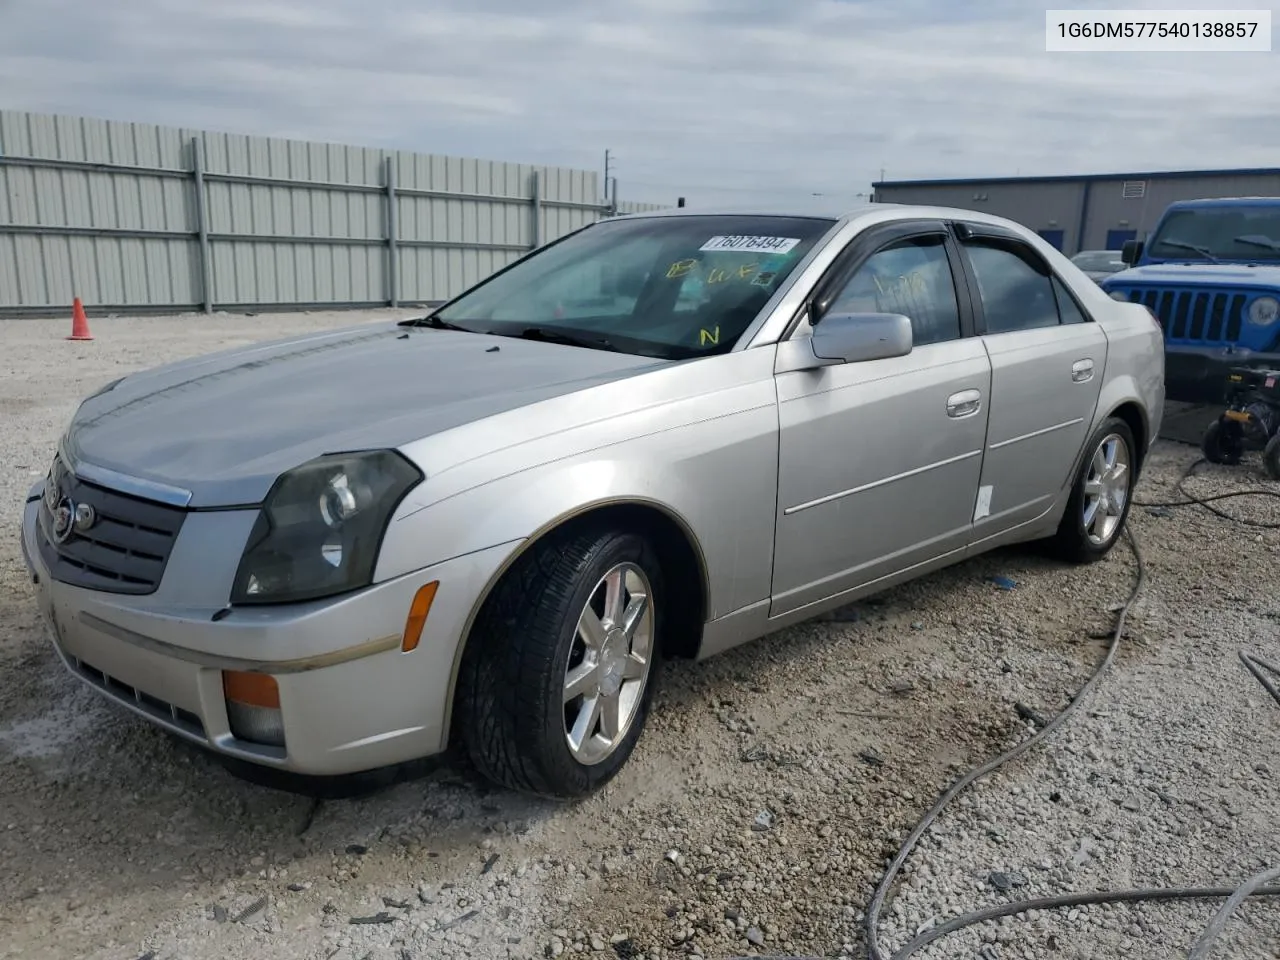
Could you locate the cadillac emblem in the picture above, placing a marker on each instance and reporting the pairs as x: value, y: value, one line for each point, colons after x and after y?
x: 64, y: 517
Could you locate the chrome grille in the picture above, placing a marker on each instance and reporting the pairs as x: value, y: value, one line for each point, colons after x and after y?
x: 124, y: 551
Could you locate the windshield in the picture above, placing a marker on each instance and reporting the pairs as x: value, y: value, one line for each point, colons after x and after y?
x: 1098, y: 260
x: 1219, y: 233
x: 669, y: 287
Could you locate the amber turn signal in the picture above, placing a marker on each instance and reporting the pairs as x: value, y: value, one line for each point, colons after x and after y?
x: 251, y: 689
x: 418, y: 611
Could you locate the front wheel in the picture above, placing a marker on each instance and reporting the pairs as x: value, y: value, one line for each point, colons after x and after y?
x: 1100, y: 499
x: 560, y: 669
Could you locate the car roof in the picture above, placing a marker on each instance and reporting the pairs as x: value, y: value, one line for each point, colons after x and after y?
x: 828, y: 211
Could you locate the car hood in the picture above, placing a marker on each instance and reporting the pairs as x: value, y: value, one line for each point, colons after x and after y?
x: 1216, y: 274
x: 224, y: 426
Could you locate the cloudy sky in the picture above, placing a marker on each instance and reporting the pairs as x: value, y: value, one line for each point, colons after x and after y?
x: 710, y: 99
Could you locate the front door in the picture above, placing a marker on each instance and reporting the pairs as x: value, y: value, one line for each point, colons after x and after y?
x: 1047, y: 362
x: 879, y: 461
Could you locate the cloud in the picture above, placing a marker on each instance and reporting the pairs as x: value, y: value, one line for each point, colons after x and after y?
x: 716, y: 100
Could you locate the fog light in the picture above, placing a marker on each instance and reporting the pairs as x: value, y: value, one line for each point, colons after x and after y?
x: 253, y: 708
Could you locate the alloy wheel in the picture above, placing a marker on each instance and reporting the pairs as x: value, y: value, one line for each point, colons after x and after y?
x: 1106, y: 489
x: 609, y: 663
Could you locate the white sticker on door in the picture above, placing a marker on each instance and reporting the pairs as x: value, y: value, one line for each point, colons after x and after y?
x: 984, y: 503
x: 750, y: 244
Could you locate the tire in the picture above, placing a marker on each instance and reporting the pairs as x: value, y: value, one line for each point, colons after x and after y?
x: 1083, y: 536
x: 1271, y: 457
x: 1222, y: 444
x: 514, y: 717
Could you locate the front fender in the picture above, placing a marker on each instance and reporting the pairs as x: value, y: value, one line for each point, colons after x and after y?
x: 716, y: 476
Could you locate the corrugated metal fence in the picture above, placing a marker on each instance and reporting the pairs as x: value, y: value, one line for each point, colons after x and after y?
x: 137, y: 218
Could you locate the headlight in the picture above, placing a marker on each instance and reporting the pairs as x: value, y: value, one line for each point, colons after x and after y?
x: 1119, y: 295
x: 1263, y: 311
x: 321, y: 527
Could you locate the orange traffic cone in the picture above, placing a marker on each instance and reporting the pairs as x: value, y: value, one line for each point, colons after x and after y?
x: 79, y: 322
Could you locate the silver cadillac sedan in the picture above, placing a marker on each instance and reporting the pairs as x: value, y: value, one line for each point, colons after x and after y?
x: 661, y: 436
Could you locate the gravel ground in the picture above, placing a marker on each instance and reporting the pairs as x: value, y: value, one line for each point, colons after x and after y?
x: 772, y: 787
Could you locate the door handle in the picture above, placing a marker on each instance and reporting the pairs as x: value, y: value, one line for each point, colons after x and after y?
x: 1082, y: 371
x: 964, y: 404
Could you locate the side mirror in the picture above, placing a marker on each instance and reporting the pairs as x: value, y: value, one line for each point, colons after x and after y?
x: 855, y: 337
x: 1131, y: 252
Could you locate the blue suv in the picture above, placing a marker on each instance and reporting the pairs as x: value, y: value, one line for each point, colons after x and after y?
x: 1210, y: 272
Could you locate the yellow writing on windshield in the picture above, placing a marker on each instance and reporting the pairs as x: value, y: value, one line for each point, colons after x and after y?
x: 709, y: 336
x: 682, y: 268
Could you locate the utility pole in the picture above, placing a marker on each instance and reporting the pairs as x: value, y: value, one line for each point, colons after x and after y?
x: 608, y: 171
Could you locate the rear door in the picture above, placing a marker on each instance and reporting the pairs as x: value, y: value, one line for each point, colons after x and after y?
x: 1047, y: 360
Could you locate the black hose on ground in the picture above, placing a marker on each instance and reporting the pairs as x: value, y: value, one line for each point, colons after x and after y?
x: 1253, y: 887
x: 1192, y: 500
x: 872, y: 919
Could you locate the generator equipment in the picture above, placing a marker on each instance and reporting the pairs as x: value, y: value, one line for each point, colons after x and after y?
x: 1250, y: 421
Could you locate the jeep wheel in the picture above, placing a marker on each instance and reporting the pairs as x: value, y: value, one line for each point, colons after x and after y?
x: 560, y: 669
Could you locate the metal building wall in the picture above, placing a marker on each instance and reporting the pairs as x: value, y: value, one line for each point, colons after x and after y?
x: 1109, y: 209
x: 139, y: 218
x: 1086, y: 209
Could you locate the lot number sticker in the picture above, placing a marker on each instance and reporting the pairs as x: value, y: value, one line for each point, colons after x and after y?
x: 750, y: 244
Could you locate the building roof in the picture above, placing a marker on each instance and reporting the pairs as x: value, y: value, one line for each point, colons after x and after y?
x: 1084, y: 177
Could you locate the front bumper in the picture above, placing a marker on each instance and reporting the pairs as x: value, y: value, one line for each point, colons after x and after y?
x: 350, y: 699
x: 1199, y: 374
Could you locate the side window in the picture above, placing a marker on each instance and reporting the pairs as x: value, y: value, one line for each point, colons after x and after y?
x: 911, y: 277
x: 1068, y: 309
x: 1016, y: 295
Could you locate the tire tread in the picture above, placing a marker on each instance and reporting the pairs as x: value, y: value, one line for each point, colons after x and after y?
x: 511, y: 658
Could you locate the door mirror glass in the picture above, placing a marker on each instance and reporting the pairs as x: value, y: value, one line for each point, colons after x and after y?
x: 1131, y: 251
x: 855, y: 337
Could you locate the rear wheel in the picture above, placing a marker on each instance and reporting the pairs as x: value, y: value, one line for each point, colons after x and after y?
x: 560, y: 669
x: 1222, y: 443
x: 1100, y: 499
x: 1271, y: 457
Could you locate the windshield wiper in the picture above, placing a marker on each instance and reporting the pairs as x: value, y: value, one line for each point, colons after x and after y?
x: 1258, y: 240
x: 434, y: 322
x: 570, y: 339
x: 1183, y: 245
